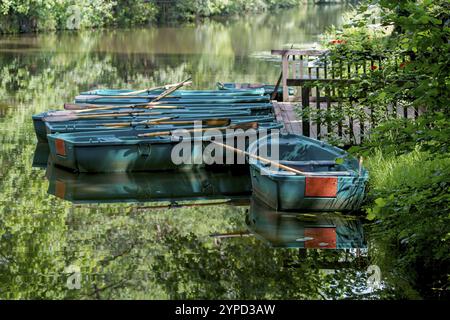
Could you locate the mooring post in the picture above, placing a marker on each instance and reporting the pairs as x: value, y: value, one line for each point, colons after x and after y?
x: 285, y: 71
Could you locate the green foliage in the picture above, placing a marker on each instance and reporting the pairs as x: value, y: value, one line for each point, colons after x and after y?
x: 429, y: 132
x: 135, y: 12
x: 410, y: 200
x: 29, y: 16
x: 403, y: 46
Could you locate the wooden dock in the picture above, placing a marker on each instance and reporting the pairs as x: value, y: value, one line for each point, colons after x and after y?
x: 285, y: 113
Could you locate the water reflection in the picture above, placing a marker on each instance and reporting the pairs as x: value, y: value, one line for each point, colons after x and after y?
x: 41, y: 155
x: 276, y: 228
x: 302, y: 230
x: 148, y: 186
x: 127, y: 250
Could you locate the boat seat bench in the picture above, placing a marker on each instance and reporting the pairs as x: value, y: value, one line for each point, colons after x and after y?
x: 306, y: 163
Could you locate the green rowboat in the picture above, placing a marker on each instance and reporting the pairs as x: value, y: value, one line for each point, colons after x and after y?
x: 124, y: 150
x: 173, y: 101
x: 178, y: 93
x: 332, y: 180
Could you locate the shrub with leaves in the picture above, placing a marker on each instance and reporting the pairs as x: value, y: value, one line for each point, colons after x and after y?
x: 409, y: 204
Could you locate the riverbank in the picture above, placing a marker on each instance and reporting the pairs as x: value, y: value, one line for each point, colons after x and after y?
x: 51, y: 15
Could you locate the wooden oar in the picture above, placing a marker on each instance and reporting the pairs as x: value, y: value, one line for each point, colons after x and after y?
x: 233, y: 234
x: 254, y: 156
x: 57, y: 118
x: 131, y: 107
x: 159, y: 97
x: 168, y: 86
x: 208, y: 122
x: 80, y: 109
x: 249, y: 125
x: 133, y: 124
x: 173, y: 89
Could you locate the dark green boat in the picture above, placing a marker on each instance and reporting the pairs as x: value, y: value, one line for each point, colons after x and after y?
x: 304, y: 231
x: 174, y: 101
x: 268, y: 88
x: 178, y: 93
x: 41, y: 130
x: 332, y: 180
x: 123, y: 150
x: 102, y: 125
x: 173, y: 186
x: 253, y: 108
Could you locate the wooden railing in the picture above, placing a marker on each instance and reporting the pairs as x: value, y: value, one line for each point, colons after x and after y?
x: 320, y: 83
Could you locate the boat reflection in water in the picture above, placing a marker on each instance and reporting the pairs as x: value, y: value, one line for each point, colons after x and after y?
x: 324, y: 230
x: 41, y: 154
x: 148, y: 186
x: 279, y: 229
x: 309, y: 231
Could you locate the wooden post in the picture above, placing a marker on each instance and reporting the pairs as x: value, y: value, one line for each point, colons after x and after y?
x: 285, y: 71
x: 305, y: 104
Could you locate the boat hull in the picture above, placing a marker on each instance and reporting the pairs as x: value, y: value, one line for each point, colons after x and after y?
x: 178, y: 93
x: 107, y: 152
x: 327, y: 178
x: 83, y: 126
x: 288, y: 193
x: 173, y: 101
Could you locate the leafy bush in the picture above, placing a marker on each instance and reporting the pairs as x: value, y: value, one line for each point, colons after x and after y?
x: 29, y: 16
x: 135, y: 12
x: 189, y: 10
x: 409, y: 200
x: 19, y: 16
x: 409, y: 43
x: 408, y: 160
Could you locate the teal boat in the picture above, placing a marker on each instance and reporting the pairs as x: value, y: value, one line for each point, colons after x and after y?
x: 41, y: 129
x: 178, y: 93
x: 123, y: 150
x: 172, y: 186
x: 173, y: 101
x: 267, y: 88
x: 194, y: 107
x: 253, y: 108
x: 304, y: 231
x: 332, y: 180
x: 102, y: 125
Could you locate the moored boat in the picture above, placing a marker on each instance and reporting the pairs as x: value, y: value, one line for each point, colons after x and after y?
x: 212, y: 100
x: 268, y: 88
x: 178, y: 93
x: 113, y: 124
x: 327, y: 178
x: 128, y: 150
x: 41, y: 130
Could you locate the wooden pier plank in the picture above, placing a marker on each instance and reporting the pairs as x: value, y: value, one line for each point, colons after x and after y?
x: 285, y: 114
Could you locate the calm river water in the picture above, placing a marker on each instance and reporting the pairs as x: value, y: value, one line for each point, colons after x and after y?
x: 64, y: 235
